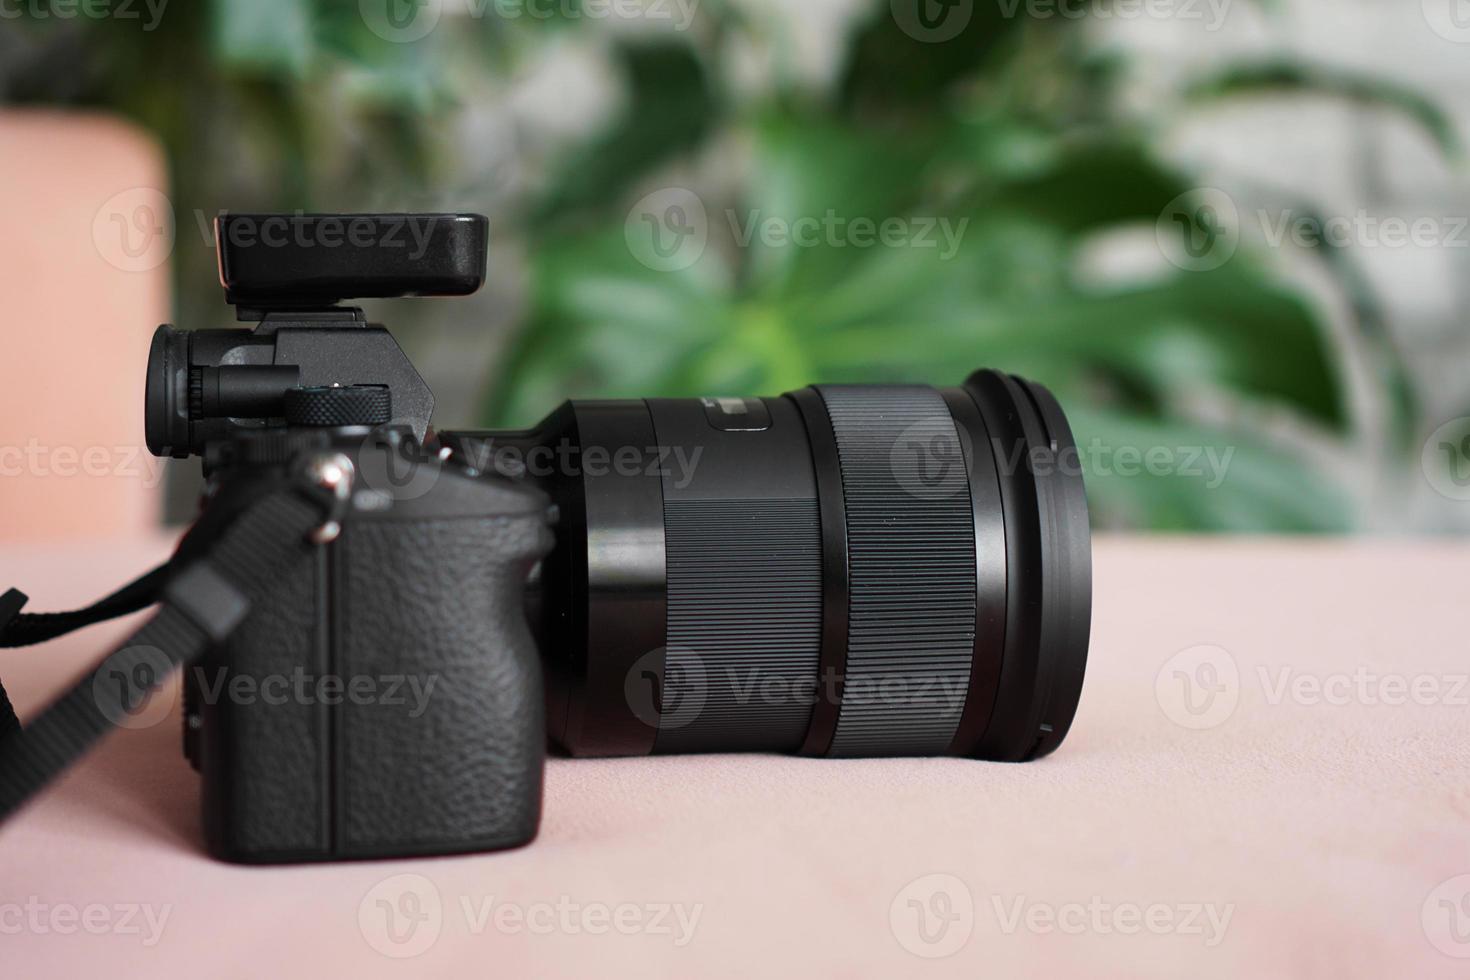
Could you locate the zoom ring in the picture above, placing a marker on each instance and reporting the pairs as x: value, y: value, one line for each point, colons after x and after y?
x: 911, y: 570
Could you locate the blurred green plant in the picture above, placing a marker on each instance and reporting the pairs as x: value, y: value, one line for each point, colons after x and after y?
x: 1008, y: 131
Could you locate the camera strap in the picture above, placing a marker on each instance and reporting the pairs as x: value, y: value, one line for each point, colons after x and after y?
x: 201, y: 599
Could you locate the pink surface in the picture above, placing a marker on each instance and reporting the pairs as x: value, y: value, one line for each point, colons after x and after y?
x: 1326, y: 832
x: 83, y: 284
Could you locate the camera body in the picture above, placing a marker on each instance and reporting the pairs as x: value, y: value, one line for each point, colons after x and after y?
x: 387, y: 700
x: 838, y: 571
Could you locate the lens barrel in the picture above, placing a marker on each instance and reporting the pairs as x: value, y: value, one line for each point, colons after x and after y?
x: 843, y: 571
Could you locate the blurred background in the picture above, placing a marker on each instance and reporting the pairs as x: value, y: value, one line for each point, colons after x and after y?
x: 1233, y: 236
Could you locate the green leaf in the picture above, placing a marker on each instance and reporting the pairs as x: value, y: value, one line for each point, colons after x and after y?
x: 264, y: 36
x: 671, y: 108
x: 1292, y: 77
x: 1171, y: 476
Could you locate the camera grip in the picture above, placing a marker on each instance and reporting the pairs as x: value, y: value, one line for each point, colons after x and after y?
x: 457, y: 764
x: 418, y: 727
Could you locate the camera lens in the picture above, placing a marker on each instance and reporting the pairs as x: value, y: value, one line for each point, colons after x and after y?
x: 843, y: 571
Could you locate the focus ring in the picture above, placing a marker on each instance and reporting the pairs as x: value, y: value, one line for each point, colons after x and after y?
x: 911, y: 570
x: 744, y: 624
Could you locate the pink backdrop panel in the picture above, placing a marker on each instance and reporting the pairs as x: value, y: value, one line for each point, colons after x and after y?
x: 85, y: 237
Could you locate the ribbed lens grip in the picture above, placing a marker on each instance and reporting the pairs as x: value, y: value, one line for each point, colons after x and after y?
x: 744, y: 624
x: 911, y: 570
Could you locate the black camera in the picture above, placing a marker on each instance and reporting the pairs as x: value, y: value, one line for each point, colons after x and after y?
x: 385, y: 699
x: 839, y: 571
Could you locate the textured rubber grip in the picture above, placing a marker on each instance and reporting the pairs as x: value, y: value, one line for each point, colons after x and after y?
x: 350, y: 405
x: 911, y: 570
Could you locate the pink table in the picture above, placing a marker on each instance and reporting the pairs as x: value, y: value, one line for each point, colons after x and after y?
x: 1269, y: 776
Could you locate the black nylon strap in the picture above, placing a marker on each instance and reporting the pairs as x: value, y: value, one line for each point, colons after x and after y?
x: 26, y: 629
x: 205, y: 598
x: 9, y: 724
